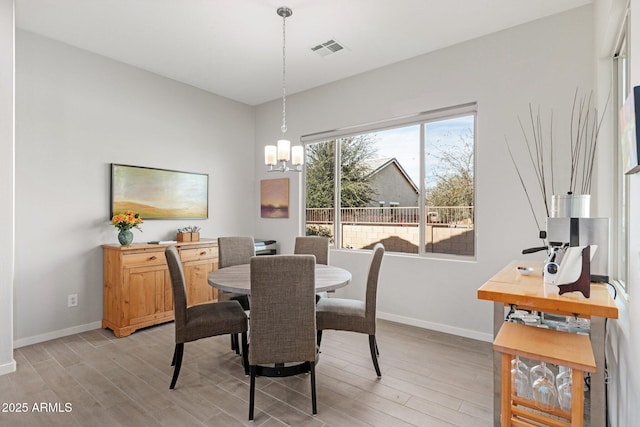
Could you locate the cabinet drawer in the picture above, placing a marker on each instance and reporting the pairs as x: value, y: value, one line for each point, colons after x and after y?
x: 144, y: 259
x: 197, y: 254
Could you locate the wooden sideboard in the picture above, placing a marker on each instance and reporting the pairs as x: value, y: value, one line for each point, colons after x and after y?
x: 137, y: 285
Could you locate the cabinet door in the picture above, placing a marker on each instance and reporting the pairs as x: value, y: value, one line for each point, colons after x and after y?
x: 198, y: 289
x: 144, y: 294
x: 168, y: 292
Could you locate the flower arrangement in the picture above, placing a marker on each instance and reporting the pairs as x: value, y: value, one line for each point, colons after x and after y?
x: 127, y: 220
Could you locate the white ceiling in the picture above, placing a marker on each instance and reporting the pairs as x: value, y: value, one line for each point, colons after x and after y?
x: 234, y: 47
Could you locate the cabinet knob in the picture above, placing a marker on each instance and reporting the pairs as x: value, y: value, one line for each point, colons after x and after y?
x: 154, y: 257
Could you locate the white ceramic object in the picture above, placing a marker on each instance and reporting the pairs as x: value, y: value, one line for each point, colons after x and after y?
x: 525, y: 271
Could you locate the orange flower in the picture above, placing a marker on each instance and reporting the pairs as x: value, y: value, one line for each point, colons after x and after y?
x: 127, y: 220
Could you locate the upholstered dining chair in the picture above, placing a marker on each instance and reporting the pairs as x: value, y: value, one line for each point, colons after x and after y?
x: 354, y: 315
x: 283, y: 320
x: 235, y: 250
x: 201, y: 320
x: 314, y: 245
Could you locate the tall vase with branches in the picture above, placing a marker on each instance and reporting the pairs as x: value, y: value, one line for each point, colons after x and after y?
x: 584, y: 131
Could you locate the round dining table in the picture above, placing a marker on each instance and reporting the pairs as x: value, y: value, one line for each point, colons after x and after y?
x: 237, y: 278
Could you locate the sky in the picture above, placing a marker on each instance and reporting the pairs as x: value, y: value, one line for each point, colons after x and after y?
x: 404, y: 144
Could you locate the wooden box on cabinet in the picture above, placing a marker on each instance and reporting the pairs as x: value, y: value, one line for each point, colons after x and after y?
x: 137, y: 285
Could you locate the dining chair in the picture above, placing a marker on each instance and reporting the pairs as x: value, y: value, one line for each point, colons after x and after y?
x: 283, y: 320
x: 201, y: 320
x: 354, y: 315
x: 235, y: 250
x: 314, y: 245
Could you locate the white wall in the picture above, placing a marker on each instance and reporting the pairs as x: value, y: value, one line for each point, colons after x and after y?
x: 77, y: 112
x: 541, y: 63
x: 7, y: 364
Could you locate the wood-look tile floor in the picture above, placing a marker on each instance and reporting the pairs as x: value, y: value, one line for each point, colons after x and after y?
x: 95, y: 379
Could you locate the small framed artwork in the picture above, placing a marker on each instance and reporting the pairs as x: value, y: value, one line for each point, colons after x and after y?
x: 274, y: 198
x: 159, y: 193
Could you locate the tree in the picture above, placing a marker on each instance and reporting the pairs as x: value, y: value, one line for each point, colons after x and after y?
x: 452, y: 190
x: 453, y: 172
x: 355, y: 185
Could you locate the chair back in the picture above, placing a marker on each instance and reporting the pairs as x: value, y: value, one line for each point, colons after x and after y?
x: 179, y: 290
x: 313, y: 245
x: 372, y: 282
x: 283, y: 316
x: 235, y: 250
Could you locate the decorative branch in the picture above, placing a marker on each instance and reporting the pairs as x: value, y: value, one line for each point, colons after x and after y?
x: 584, y: 142
x: 524, y: 187
x: 584, y: 131
x: 536, y: 152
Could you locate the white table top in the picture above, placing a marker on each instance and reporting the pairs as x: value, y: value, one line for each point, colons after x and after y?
x: 236, y: 279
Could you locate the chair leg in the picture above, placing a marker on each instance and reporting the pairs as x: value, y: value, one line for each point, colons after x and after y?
x: 372, y: 347
x: 173, y: 361
x: 319, y: 336
x: 237, y: 343
x: 233, y: 342
x: 252, y: 390
x: 178, y: 363
x: 245, y: 353
x: 314, y: 407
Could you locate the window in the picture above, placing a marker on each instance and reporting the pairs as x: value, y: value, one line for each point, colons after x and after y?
x: 620, y: 220
x: 407, y: 183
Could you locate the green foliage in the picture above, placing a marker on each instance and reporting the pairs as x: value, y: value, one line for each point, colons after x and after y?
x: 356, y: 189
x: 452, y: 190
x: 454, y: 174
x: 320, y: 174
x: 320, y: 230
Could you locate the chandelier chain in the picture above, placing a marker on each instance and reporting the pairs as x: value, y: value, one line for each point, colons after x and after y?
x: 283, y: 152
x: 283, y: 128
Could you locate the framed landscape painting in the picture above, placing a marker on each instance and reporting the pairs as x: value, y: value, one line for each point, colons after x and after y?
x: 159, y: 193
x: 274, y: 198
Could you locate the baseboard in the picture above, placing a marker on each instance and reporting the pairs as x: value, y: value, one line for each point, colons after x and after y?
x: 480, y: 336
x: 7, y: 368
x: 22, y: 342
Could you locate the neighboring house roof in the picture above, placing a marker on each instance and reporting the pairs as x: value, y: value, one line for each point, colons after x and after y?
x: 376, y: 165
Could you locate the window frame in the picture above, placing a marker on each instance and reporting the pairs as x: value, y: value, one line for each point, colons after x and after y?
x: 421, y: 119
x: 622, y: 84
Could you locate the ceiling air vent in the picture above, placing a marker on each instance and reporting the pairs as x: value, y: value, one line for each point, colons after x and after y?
x: 327, y: 48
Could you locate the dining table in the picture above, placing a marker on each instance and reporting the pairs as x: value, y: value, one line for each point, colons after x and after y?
x: 237, y: 278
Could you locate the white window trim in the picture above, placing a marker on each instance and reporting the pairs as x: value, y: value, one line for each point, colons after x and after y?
x: 622, y: 287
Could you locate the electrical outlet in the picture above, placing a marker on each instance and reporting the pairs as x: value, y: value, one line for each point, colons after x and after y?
x: 72, y: 300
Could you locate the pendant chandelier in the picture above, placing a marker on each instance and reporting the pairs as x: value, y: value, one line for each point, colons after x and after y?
x: 283, y: 152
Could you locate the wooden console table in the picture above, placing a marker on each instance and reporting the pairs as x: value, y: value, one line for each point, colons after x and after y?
x: 508, y: 287
x: 137, y: 285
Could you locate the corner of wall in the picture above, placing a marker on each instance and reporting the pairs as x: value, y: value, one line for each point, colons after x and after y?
x: 7, y: 183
